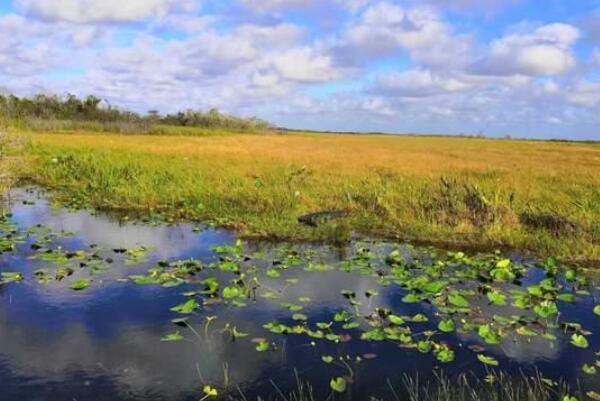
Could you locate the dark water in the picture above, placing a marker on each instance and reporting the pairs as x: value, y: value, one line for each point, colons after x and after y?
x: 103, y: 343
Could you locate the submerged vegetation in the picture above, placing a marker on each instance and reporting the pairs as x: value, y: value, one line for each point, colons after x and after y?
x: 462, y: 193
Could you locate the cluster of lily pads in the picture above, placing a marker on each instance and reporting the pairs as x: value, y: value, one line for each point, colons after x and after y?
x: 457, y: 286
x: 488, y: 297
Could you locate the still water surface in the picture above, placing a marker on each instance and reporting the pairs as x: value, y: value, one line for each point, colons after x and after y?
x: 104, y: 343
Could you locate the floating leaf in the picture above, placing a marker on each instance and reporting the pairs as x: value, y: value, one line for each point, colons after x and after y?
x: 447, y: 326
x: 593, y: 395
x: 80, y: 284
x: 173, y: 337
x: 496, y: 298
x: 488, y: 360
x: 338, y: 384
x: 396, y: 320
x: 590, y: 370
x: 327, y: 359
x: 457, y: 299
x: 231, y: 292
x: 546, y: 309
x: 299, y: 317
x: 579, y: 341
x: 597, y: 310
x: 489, y: 335
x: 187, y: 307
x: 262, y: 346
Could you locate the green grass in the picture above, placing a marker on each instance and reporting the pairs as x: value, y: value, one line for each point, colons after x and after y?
x: 465, y: 193
x: 498, y: 387
x: 10, y: 147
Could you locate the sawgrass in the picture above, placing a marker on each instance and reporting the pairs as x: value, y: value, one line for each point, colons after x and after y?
x: 541, y: 197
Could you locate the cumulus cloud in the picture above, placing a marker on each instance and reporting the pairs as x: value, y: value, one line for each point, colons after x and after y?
x: 266, y: 6
x: 545, y: 51
x: 395, y: 66
x: 419, y: 83
x: 85, y: 11
x: 474, y: 6
x: 385, y: 29
x: 585, y: 94
x: 304, y: 65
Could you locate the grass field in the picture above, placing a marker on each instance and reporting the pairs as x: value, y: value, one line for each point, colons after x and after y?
x: 474, y: 193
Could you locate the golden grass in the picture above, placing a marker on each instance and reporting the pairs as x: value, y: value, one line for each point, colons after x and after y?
x: 393, y: 185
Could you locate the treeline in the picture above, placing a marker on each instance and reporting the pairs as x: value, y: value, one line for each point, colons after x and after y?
x: 45, y: 112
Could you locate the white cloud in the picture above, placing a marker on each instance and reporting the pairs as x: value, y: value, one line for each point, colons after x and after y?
x: 584, y: 94
x: 385, y: 29
x: 267, y: 6
x: 305, y: 65
x: 545, y: 51
x: 419, y: 83
x: 85, y: 11
x: 474, y: 6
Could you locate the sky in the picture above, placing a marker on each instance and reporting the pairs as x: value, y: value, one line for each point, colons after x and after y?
x: 524, y: 68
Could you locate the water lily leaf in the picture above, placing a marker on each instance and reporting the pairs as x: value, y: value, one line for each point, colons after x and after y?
x: 488, y: 360
x: 419, y: 318
x: 593, y: 395
x: 80, y: 284
x: 187, y: 307
x: 570, y: 398
x: 396, y: 320
x: 457, y: 299
x: 447, y: 326
x: 342, y: 316
x: 338, y: 384
x: 570, y: 298
x: 262, y: 346
x: 597, y: 310
x: 503, y: 264
x: 272, y: 273
x: 489, y: 335
x: 300, y: 317
x: 173, y: 337
x: 579, y: 341
x: 351, y: 326
x: 231, y: 292
x: 524, y: 331
x: 546, y: 309
x: 424, y: 346
x: 444, y: 354
x: 589, y: 370
x: 411, y: 298
x: 496, y: 298
x: 327, y: 358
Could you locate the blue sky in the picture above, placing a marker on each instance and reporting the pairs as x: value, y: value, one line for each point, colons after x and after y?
x: 498, y: 67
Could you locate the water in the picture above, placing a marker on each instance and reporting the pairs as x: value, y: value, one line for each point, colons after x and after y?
x: 104, y: 343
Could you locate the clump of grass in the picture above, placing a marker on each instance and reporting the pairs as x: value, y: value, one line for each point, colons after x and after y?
x: 496, y: 387
x: 10, y: 145
x: 464, y: 387
x: 463, y: 193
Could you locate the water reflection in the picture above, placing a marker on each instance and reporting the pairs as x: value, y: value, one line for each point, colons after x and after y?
x: 104, y: 343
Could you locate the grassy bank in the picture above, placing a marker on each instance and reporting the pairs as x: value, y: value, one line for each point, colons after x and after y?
x: 536, y: 196
x: 10, y: 147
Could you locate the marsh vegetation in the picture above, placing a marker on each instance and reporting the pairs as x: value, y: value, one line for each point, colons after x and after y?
x: 198, y: 256
x: 177, y: 312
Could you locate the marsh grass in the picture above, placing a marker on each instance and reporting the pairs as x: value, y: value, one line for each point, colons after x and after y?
x: 10, y: 147
x: 497, y: 387
x: 462, y: 193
